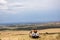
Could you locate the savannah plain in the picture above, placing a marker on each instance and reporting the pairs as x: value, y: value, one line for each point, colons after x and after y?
x: 46, y: 34
x: 48, y: 31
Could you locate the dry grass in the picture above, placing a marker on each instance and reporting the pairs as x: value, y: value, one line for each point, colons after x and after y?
x: 24, y: 35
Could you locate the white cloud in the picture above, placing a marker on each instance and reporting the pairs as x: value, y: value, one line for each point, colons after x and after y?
x: 3, y: 4
x: 41, y: 4
x: 34, y: 4
x: 3, y: 1
x: 53, y: 4
x: 27, y: 9
x: 28, y: 4
x: 15, y: 6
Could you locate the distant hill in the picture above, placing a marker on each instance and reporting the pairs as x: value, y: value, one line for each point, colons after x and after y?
x: 30, y: 26
x: 51, y: 24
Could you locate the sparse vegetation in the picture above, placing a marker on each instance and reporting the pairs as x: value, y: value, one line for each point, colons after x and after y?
x: 38, y: 26
x: 13, y: 34
x: 24, y: 35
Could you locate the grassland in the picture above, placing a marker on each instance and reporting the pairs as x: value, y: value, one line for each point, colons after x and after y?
x: 46, y: 34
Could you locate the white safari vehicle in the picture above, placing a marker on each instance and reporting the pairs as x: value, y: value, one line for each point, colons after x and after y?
x: 34, y: 34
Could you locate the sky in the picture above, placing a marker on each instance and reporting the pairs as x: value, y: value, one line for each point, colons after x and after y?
x: 15, y: 11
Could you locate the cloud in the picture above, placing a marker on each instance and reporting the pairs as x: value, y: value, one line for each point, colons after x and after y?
x: 16, y: 6
x: 29, y: 10
x: 3, y: 4
x: 3, y: 1
x: 34, y: 4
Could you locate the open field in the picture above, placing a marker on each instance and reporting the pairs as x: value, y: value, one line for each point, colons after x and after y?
x: 53, y: 34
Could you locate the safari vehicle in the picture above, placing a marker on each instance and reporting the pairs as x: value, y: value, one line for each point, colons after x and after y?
x: 34, y: 34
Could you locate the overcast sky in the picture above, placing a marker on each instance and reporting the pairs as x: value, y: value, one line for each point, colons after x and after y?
x: 12, y: 11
